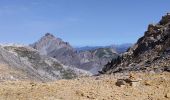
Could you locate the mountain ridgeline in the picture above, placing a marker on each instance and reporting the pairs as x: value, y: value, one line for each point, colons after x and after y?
x: 91, y: 60
x: 50, y: 59
x: 121, y: 48
x: 150, y: 53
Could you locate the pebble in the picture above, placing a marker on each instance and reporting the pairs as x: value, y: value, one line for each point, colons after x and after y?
x: 167, y: 95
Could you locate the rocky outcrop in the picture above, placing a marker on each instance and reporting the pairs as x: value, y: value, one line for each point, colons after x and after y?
x: 19, y: 62
x: 151, y: 52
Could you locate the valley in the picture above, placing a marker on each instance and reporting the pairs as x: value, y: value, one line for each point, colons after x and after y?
x: 53, y: 69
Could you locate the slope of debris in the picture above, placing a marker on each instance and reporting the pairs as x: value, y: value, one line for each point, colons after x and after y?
x: 24, y: 63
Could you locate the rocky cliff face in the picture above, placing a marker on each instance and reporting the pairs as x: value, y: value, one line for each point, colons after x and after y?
x: 90, y: 60
x: 151, y: 52
x: 19, y: 62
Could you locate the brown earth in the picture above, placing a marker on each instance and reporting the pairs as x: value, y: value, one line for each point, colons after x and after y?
x: 151, y: 86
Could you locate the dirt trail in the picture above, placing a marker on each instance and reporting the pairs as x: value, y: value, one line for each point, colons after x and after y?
x: 150, y: 87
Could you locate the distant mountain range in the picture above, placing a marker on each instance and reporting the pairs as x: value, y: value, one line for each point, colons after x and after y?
x: 89, y: 59
x: 49, y: 59
x: 118, y: 48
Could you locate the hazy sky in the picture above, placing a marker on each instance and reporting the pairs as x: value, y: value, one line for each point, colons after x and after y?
x: 80, y: 22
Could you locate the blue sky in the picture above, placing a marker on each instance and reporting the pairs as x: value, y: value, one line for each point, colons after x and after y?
x: 80, y: 22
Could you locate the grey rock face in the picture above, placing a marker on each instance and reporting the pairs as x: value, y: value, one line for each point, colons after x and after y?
x: 151, y: 52
x: 92, y: 60
x: 28, y: 64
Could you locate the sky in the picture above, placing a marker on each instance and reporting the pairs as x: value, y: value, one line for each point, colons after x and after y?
x: 79, y: 22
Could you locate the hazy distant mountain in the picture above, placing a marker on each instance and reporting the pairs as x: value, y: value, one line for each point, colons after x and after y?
x: 90, y: 60
x: 19, y: 62
x: 87, y: 48
x: 118, y: 48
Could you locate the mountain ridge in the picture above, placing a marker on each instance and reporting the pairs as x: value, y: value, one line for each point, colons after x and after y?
x: 150, y: 53
x: 120, y: 48
x: 62, y: 51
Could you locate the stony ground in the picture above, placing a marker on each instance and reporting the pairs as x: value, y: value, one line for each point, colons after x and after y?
x: 149, y: 87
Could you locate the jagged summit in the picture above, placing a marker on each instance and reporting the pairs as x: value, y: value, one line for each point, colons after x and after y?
x: 49, y: 43
x: 49, y: 34
x: 48, y: 37
x: 165, y: 19
x: 151, y: 52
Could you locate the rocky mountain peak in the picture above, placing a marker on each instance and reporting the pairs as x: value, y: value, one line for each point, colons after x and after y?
x: 49, y: 43
x: 49, y: 34
x: 48, y: 37
x: 165, y: 19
